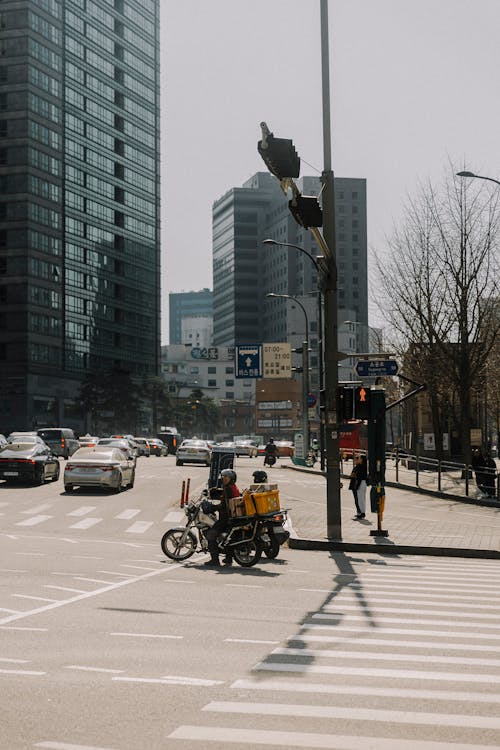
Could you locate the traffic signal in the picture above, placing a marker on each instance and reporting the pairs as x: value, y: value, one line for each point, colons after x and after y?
x: 306, y: 211
x: 362, y: 403
x: 279, y: 155
x: 345, y: 404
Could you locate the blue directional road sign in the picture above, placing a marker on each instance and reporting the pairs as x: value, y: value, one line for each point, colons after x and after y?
x: 366, y: 368
x: 248, y: 360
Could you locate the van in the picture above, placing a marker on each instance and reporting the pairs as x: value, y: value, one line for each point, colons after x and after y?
x: 61, y: 440
x: 171, y: 439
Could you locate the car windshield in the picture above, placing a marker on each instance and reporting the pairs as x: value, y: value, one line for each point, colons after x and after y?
x: 14, y: 448
x: 91, y: 454
x: 50, y: 434
x: 195, y: 443
x: 25, y: 439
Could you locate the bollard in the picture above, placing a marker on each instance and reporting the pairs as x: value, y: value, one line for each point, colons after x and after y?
x: 182, y: 493
x: 378, y: 498
x: 186, y: 497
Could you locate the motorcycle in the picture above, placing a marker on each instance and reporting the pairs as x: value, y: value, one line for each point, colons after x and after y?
x: 269, y: 459
x: 246, y: 538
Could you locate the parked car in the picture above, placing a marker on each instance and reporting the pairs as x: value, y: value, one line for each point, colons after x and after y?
x: 122, y: 444
x: 3, y: 441
x: 88, y: 441
x: 61, y: 440
x: 143, y: 446
x: 193, y: 451
x: 245, y: 448
x: 25, y: 437
x: 157, y: 447
x: 28, y: 462
x: 103, y: 466
x: 285, y: 448
x: 227, y: 445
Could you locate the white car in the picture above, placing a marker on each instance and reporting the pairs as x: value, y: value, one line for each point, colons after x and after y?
x: 193, y: 452
x: 245, y: 448
x: 102, y: 466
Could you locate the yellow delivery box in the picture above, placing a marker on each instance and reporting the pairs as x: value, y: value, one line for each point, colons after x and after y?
x: 261, y: 502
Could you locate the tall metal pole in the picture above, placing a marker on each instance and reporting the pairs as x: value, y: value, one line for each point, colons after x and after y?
x: 333, y: 507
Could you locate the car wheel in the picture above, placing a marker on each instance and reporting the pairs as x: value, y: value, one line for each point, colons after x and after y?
x: 68, y: 488
x: 132, y: 481
x: 40, y: 479
x: 178, y: 463
x: 55, y: 478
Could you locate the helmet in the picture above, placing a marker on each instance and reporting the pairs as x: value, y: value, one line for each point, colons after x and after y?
x: 259, y: 476
x: 229, y: 473
x: 271, y: 440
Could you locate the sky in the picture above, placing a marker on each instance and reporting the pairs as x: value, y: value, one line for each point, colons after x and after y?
x: 414, y: 86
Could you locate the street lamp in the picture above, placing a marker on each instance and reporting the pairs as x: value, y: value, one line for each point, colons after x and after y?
x: 477, y: 176
x: 320, y: 337
x: 305, y: 369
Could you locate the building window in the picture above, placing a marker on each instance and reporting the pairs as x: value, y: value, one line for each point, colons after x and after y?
x: 212, y: 370
x: 212, y: 384
x: 229, y: 395
x: 229, y: 383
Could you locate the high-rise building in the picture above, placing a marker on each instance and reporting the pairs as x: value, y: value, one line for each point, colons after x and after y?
x: 79, y: 201
x: 187, y: 305
x: 244, y: 270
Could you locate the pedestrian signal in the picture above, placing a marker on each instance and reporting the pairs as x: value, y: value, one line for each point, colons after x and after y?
x: 362, y: 399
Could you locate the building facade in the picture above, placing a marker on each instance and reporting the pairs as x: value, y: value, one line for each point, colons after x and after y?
x: 79, y: 201
x: 187, y: 305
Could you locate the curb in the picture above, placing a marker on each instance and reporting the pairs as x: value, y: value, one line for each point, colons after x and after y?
x: 384, y: 548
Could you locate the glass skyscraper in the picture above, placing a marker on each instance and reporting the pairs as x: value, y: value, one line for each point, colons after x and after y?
x: 79, y: 201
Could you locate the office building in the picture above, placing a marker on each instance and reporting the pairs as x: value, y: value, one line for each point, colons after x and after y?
x: 79, y: 201
x: 187, y: 305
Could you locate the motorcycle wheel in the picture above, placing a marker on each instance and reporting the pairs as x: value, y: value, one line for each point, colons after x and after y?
x: 247, y: 554
x: 172, y: 546
x: 272, y: 550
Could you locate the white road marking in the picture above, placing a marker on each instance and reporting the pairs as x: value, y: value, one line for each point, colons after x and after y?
x: 85, y: 523
x: 139, y: 527
x: 378, y: 655
x: 149, y: 635
x: 12, y: 570
x: 236, y: 737
x: 32, y: 554
x: 421, y: 600
x: 178, y: 580
x: 33, y: 521
x: 65, y: 588
x: 406, y: 674
x: 128, y: 513
x: 37, y: 509
x: 115, y: 573
x: 14, y: 661
x: 20, y: 671
x: 92, y: 580
x: 149, y: 561
x: 82, y: 510
x: 35, y: 598
x: 356, y: 713
x: 14, y: 627
x: 67, y: 746
x: 13, y: 611
x: 88, y: 557
x: 376, y: 593
x: 137, y: 567
x: 171, y: 680
x: 243, y: 586
x: 452, y: 620
x: 174, y: 517
x: 94, y: 669
x: 418, y: 610
x: 248, y: 640
x: 386, y: 692
x: 88, y: 595
x: 400, y: 631
x: 355, y: 641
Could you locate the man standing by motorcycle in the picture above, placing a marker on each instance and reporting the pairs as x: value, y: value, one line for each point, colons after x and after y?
x: 270, y: 453
x: 229, y: 490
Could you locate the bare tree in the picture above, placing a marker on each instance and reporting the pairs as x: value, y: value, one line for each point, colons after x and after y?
x: 440, y: 279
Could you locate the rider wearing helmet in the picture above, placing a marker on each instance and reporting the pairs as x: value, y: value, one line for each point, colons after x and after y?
x: 259, y: 476
x: 229, y: 490
x: 270, y: 453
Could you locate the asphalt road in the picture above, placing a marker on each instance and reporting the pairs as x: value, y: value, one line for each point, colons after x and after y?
x: 107, y: 645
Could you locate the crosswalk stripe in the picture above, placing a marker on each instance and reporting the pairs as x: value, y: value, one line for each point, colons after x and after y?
x: 309, y: 740
x: 37, y: 509
x: 355, y: 713
x: 417, y: 610
x: 139, y: 527
x: 415, y: 592
x: 33, y: 521
x: 128, y: 513
x: 86, y: 523
x: 356, y: 641
x: 406, y: 674
x: 336, y: 688
x: 378, y: 656
x: 421, y: 601
x: 410, y: 620
x: 401, y: 631
x: 82, y: 510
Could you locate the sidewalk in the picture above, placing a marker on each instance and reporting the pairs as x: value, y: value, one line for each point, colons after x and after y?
x: 418, y: 524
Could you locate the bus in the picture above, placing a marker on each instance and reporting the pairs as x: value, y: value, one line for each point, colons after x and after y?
x: 353, y: 437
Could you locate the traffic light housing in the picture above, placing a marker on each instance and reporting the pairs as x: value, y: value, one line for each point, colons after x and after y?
x: 306, y: 211
x: 362, y: 401
x: 279, y: 156
x: 345, y: 404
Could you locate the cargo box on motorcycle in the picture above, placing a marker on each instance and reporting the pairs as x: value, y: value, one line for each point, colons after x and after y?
x: 255, y: 503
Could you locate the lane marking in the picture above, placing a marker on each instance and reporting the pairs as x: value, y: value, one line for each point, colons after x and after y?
x: 139, y: 527
x: 20, y: 671
x: 82, y: 510
x: 421, y: 600
x: 12, y: 570
x: 33, y: 521
x: 88, y: 595
x: 248, y: 640
x: 115, y: 573
x: 380, y: 630
x: 419, y: 611
x: 149, y: 561
x: 64, y: 588
x: 149, y: 635
x: 377, y: 656
x: 171, y: 680
x: 32, y: 554
x: 37, y: 509
x: 237, y: 737
x: 14, y: 661
x: 12, y: 611
x: 178, y: 580
x: 14, y: 627
x: 410, y: 620
x: 243, y: 586
x: 94, y: 669
x: 91, y: 580
x: 355, y: 641
x: 356, y: 713
x: 339, y: 689
x: 137, y: 567
x: 88, y: 557
x: 128, y: 513
x: 355, y: 589
x: 406, y: 674
x: 35, y: 598
x: 85, y: 523
x: 66, y: 746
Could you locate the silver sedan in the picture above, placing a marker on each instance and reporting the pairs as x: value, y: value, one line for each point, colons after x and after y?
x: 193, y: 452
x: 99, y: 467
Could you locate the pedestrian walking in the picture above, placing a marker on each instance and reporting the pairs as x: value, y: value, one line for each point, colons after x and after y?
x: 357, y: 485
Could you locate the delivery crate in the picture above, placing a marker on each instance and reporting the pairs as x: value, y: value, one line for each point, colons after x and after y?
x: 263, y: 487
x: 237, y: 507
x: 261, y: 502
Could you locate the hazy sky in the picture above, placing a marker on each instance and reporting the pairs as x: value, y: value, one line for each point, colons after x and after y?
x: 414, y: 84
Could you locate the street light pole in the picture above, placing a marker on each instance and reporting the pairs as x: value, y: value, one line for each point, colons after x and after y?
x: 305, y: 370
x: 321, y: 371
x: 333, y: 507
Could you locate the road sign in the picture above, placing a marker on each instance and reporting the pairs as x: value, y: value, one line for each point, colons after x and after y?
x: 366, y: 368
x: 248, y: 360
x: 312, y: 400
x: 277, y: 360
